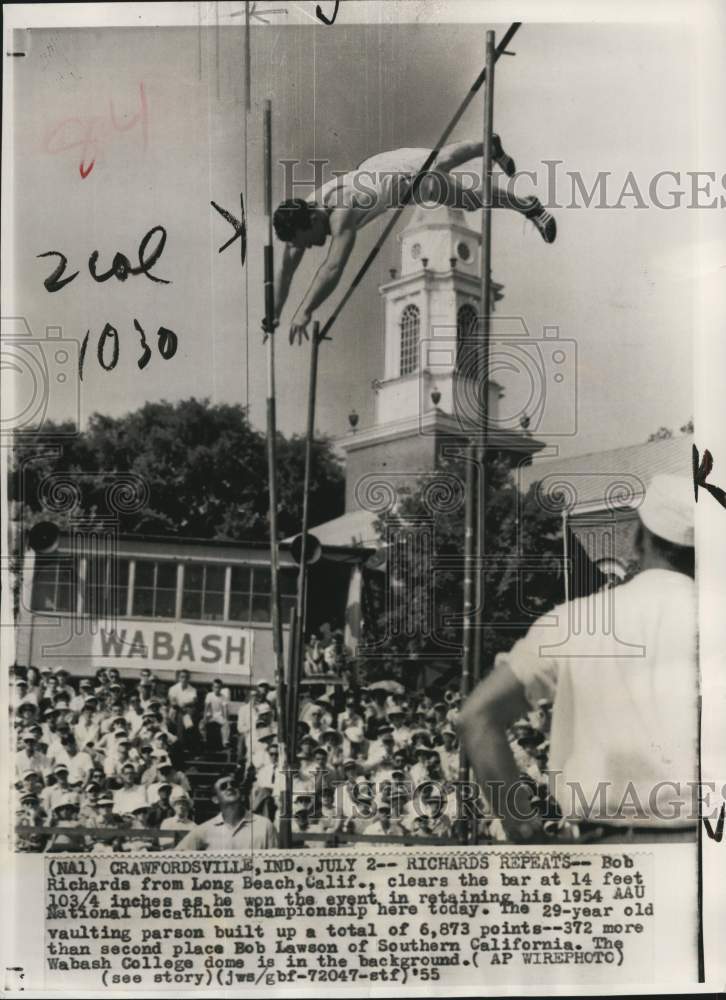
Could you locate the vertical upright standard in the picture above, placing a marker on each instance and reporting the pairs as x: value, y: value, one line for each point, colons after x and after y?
x: 248, y: 57
x: 482, y: 366
x: 272, y: 433
x: 475, y: 510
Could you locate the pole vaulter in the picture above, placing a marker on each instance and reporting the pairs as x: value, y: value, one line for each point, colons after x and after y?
x: 386, y: 181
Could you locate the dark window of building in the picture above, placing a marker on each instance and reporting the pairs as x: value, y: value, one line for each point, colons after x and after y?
x: 203, y: 591
x: 55, y: 583
x: 106, y: 586
x: 154, y: 589
x: 288, y: 593
x: 240, y: 593
x: 410, y: 331
x: 250, y: 598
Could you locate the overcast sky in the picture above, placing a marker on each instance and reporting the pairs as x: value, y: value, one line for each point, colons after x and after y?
x: 599, y: 98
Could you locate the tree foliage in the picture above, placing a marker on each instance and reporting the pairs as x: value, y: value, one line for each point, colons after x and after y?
x: 416, y: 602
x: 201, y: 471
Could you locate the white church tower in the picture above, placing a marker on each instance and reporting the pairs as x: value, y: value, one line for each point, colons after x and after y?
x: 430, y: 305
x: 428, y: 308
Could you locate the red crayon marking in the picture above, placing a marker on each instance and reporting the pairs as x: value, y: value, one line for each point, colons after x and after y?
x: 88, y: 134
x: 142, y: 116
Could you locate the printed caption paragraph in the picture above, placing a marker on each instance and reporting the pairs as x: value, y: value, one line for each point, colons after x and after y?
x: 391, y: 917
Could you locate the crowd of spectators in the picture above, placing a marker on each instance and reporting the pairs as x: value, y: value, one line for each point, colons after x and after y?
x: 113, y: 753
x: 381, y: 761
x: 102, y: 752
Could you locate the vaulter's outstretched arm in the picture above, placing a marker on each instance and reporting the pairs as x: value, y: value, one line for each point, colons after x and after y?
x: 326, y: 280
x: 291, y: 257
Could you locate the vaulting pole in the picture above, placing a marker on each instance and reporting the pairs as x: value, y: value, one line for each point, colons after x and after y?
x: 272, y: 440
x: 290, y: 732
x: 298, y: 638
x: 475, y: 508
x: 248, y: 57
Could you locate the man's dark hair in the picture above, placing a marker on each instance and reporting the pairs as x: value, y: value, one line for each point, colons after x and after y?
x: 681, y: 557
x: 290, y: 217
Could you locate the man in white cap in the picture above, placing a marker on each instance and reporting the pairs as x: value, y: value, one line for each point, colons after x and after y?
x: 53, y: 795
x: 180, y: 820
x: 383, y: 825
x: 88, y: 727
x: 22, y: 694
x: 624, y: 724
x: 30, y: 758
x: 64, y: 686
x: 449, y: 754
x: 396, y: 716
x: 78, y: 701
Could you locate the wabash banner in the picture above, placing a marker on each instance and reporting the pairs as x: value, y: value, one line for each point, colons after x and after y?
x: 175, y: 645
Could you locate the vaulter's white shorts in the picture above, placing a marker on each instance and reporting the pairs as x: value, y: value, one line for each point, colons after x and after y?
x: 376, y: 185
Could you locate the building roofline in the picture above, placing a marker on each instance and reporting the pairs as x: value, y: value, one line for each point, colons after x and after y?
x: 222, y: 543
x: 430, y: 275
x: 411, y: 426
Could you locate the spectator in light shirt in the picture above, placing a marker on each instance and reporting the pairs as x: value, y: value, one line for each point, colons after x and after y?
x: 77, y: 702
x: 30, y: 758
x: 128, y: 797
x: 216, y: 718
x: 383, y: 825
x: 270, y: 774
x: 401, y: 733
x: 51, y: 736
x: 78, y: 762
x: 235, y: 828
x: 88, y: 728
x: 180, y: 820
x: 182, y: 698
x: 22, y: 694
x: 63, y: 685
x: 52, y: 795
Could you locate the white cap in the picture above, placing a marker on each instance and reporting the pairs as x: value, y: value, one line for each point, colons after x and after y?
x: 667, y: 510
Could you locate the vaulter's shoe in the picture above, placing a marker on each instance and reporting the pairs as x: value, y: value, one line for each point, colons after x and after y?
x: 542, y: 219
x: 501, y: 158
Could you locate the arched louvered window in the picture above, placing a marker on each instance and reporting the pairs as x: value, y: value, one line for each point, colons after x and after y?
x: 466, y: 329
x: 410, y: 331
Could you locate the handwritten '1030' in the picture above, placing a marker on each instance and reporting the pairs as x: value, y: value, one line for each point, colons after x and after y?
x: 108, y: 348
